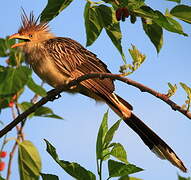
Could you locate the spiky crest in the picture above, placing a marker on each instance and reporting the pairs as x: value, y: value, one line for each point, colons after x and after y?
x: 31, y: 23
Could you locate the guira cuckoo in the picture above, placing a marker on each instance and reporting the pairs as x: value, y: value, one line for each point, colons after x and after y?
x: 57, y: 60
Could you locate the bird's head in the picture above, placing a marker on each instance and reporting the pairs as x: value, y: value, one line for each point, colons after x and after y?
x: 31, y: 31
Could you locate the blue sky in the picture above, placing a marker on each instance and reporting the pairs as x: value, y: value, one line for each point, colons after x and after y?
x: 75, y: 136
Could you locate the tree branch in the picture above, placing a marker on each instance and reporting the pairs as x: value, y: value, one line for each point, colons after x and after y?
x: 55, y: 92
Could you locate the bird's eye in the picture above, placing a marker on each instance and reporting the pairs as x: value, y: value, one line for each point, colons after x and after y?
x: 30, y: 35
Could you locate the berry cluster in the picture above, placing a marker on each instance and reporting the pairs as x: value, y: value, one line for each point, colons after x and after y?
x: 3, y: 154
x: 122, y: 13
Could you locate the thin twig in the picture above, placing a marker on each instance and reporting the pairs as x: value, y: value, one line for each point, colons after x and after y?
x: 19, y: 136
x: 55, y: 92
x: 10, y: 160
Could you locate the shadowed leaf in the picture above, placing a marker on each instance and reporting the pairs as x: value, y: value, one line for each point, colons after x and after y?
x: 53, y: 8
x: 155, y: 34
x: 92, y: 24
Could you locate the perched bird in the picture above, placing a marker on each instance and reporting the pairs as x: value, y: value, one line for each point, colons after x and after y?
x: 58, y: 60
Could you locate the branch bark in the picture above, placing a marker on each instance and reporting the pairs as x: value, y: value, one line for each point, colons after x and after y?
x: 55, y: 92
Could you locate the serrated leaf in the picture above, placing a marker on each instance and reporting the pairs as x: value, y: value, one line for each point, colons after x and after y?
x: 29, y: 161
x: 53, y: 8
x: 119, y: 152
x: 101, y: 135
x: 13, y: 79
x: 49, y: 177
x: 117, y: 169
x: 182, y: 12
x: 110, y: 133
x: 36, y: 88
x: 72, y: 168
x: 155, y: 34
x: 92, y: 24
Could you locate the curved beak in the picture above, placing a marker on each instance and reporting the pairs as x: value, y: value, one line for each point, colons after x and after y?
x: 18, y: 36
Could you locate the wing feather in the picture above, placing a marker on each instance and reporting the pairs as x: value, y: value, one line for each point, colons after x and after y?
x: 74, y: 60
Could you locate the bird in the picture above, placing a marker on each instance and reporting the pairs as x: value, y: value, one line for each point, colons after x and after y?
x: 59, y: 60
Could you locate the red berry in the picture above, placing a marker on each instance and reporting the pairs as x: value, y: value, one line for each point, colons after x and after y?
x: 2, y: 165
x: 11, y: 104
x: 118, y: 14
x: 3, y: 154
x: 125, y: 12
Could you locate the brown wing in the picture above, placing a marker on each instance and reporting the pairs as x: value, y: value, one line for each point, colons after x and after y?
x: 73, y: 60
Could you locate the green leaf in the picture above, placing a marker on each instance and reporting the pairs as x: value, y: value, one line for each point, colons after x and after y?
x: 110, y: 133
x: 1, y: 178
x: 49, y: 177
x: 3, y: 48
x: 101, y: 135
x: 13, y: 79
x: 177, y: 1
x: 117, y: 169
x: 106, y: 16
x: 155, y: 33
x: 168, y: 23
x: 42, y: 111
x: 73, y: 169
x: 186, y: 88
x: 29, y: 161
x: 46, y: 112
x: 172, y: 90
x: 183, y: 178
x: 114, y: 33
x: 119, y: 152
x: 157, y: 17
x: 92, y: 23
x: 182, y: 12
x: 112, y: 28
x: 138, y: 59
x: 128, y: 178
x: 36, y: 88
x: 133, y: 178
x: 53, y: 8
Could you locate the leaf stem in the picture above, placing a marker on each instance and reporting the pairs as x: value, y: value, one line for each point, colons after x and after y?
x: 100, y: 169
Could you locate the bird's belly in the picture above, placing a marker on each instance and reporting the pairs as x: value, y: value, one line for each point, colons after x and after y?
x: 49, y: 73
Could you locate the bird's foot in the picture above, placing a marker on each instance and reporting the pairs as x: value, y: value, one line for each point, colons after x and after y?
x: 54, y: 97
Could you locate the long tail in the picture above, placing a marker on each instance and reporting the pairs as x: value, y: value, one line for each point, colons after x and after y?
x: 149, y: 137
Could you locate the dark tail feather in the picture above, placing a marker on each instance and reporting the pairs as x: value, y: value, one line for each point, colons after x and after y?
x: 149, y: 137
